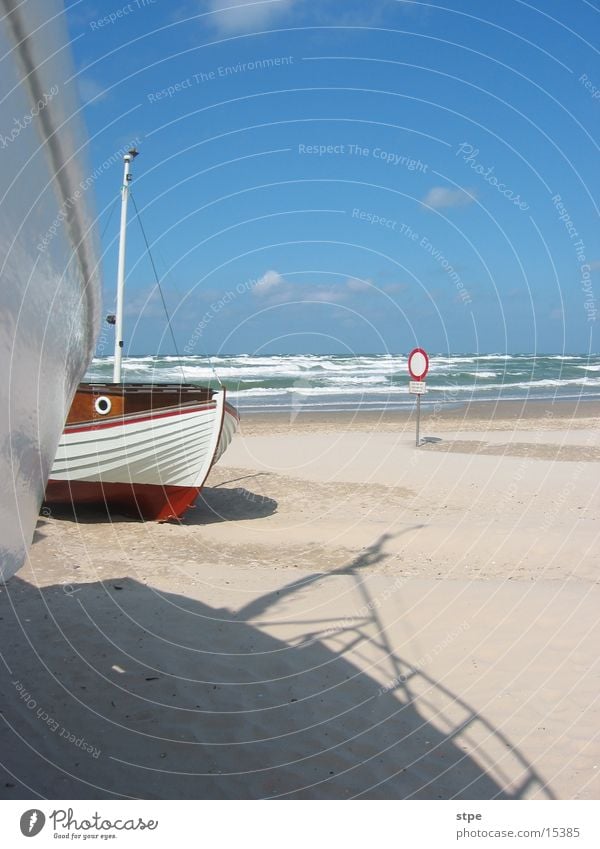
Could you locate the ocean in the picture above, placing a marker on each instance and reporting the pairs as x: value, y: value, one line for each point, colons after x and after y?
x: 323, y: 383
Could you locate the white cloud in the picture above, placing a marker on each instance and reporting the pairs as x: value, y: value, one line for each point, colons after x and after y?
x: 273, y: 288
x: 355, y: 284
x: 232, y: 16
x: 245, y: 15
x: 441, y: 197
x: 333, y: 296
x: 268, y: 282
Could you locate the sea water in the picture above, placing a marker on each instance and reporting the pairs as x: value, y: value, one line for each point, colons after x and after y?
x: 313, y: 383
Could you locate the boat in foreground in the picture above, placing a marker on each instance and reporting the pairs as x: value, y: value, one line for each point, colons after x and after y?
x: 50, y: 290
x: 139, y: 449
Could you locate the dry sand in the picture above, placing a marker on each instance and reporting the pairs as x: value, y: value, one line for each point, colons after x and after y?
x: 341, y: 616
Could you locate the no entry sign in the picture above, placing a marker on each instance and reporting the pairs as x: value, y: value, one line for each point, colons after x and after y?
x: 418, y: 364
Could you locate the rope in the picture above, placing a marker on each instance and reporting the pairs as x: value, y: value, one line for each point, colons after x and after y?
x: 162, y: 297
x: 108, y: 220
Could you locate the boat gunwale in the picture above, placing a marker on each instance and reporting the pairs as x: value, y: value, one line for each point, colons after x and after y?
x: 141, y: 416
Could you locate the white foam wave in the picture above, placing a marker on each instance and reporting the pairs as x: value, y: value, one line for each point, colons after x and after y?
x: 449, y: 361
x: 317, y: 390
x: 530, y: 384
x: 500, y: 357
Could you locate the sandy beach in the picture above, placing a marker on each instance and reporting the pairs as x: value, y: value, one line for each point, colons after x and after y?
x: 342, y: 615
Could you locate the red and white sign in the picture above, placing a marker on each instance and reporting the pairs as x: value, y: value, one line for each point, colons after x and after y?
x: 418, y: 364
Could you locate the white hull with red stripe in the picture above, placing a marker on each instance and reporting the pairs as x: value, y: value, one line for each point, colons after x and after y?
x: 157, y: 461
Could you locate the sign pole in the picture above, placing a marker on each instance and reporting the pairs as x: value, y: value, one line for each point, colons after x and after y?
x: 418, y: 366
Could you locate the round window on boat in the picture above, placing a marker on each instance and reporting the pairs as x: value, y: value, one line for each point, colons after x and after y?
x: 103, y: 405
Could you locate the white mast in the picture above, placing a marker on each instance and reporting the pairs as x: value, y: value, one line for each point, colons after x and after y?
x: 129, y: 156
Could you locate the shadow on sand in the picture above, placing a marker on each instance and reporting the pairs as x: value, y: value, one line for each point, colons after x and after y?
x: 219, y: 504
x: 116, y: 689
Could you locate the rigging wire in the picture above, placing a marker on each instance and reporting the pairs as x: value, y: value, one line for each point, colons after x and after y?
x: 213, y: 369
x: 162, y: 297
x: 108, y: 220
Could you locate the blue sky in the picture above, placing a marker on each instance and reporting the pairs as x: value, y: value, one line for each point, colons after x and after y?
x: 349, y: 177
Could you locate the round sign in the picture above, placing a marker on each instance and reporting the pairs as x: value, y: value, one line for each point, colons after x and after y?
x: 418, y: 364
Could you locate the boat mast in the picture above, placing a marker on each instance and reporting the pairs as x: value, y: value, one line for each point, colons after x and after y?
x: 127, y: 178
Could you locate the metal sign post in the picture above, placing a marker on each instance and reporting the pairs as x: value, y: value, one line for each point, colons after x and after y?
x: 418, y: 366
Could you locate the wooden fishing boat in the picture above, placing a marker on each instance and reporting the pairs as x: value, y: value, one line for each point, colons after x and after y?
x: 139, y: 449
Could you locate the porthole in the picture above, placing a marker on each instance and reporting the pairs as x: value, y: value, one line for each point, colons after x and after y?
x: 103, y: 405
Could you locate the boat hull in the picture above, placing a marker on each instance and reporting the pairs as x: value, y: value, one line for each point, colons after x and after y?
x: 50, y: 292
x: 147, y: 501
x: 149, y: 464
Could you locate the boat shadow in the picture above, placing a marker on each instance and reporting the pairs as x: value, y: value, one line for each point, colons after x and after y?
x: 223, y: 504
x: 118, y: 689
